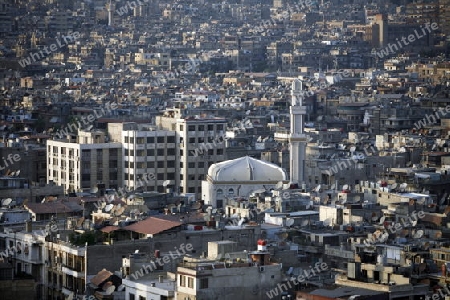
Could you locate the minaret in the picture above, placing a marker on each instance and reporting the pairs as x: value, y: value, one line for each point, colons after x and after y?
x: 110, y: 16
x: 297, y: 138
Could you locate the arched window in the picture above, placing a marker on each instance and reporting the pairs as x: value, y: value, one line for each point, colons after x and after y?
x: 219, y: 193
x: 230, y: 192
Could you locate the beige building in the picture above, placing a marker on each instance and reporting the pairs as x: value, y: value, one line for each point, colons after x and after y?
x: 243, y: 275
x: 84, y: 162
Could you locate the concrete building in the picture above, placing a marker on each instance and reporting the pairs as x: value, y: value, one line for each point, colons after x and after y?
x: 248, y: 276
x: 201, y: 143
x: 149, y: 156
x: 85, y: 162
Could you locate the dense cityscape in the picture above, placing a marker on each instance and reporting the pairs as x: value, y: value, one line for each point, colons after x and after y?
x: 224, y: 150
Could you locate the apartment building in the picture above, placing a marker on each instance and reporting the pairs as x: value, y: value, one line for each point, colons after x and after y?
x: 200, y: 142
x: 149, y: 156
x: 84, y: 162
x: 249, y: 276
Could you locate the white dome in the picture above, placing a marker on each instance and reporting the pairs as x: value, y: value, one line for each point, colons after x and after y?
x: 246, y: 169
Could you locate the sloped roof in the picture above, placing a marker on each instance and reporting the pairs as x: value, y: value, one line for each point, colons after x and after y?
x: 152, y: 225
x: 53, y: 207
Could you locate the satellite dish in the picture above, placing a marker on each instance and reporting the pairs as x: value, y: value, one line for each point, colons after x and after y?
x: 6, y: 202
x: 94, y: 190
x: 345, y: 187
x: 327, y: 222
x: 196, y: 205
x: 70, y: 297
x: 17, y: 173
x: 214, y: 211
x: 352, y: 149
x: 317, y: 189
x: 109, y: 207
x: 110, y: 289
x: 414, y: 223
x: 382, y: 220
x: 403, y: 186
x: 305, y: 223
x: 418, y: 234
x: 394, y: 186
x: 290, y: 222
x: 241, y: 221
x: 166, y: 183
x: 121, y: 288
x: 111, y: 198
x: 260, y: 191
x: 333, y: 186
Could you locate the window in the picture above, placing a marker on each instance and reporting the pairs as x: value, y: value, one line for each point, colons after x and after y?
x: 201, y: 164
x: 160, y: 139
x: 219, y: 192
x: 171, y: 139
x: 150, y: 164
x: 203, y: 283
x: 150, y: 152
x: 210, y: 127
x: 170, y: 152
x: 160, y: 152
x: 142, y: 298
x: 160, y: 164
x: 230, y: 192
x: 191, y: 128
x: 201, y: 127
x: 171, y: 164
x: 132, y: 297
x: 181, y: 127
x: 191, y: 165
x: 182, y: 280
x: 150, y: 139
x: 190, y: 282
x: 140, y: 140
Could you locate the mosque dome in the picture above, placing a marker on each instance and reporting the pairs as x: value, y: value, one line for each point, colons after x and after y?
x: 246, y: 169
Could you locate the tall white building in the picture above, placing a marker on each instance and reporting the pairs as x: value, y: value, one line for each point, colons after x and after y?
x: 149, y: 156
x: 84, y: 162
x: 201, y: 143
x: 297, y: 137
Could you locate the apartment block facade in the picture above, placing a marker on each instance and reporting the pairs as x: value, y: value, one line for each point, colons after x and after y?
x: 84, y: 162
x: 149, y: 161
x: 200, y: 142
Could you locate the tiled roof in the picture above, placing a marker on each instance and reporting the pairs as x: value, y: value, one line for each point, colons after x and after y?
x: 53, y: 207
x: 152, y: 225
